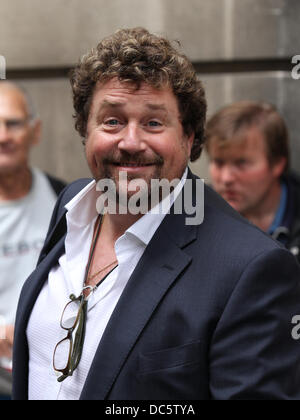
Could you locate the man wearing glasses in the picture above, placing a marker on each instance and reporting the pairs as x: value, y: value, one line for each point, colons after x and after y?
x: 27, y: 199
x: 130, y: 306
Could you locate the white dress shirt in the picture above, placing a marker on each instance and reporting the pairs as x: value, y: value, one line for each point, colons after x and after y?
x: 44, y: 331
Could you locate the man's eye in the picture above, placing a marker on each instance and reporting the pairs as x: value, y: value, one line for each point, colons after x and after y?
x: 112, y: 122
x: 14, y: 123
x: 154, y: 124
x: 218, y: 163
x: 241, y: 162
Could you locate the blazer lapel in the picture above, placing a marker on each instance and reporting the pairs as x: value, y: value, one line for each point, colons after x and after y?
x: 160, y: 266
x: 37, y: 279
x: 29, y: 295
x: 54, y: 235
x: 53, y: 249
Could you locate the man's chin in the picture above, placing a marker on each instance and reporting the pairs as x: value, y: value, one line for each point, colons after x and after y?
x: 8, y: 168
x: 237, y: 206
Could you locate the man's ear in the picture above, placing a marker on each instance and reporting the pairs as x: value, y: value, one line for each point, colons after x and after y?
x: 279, y: 167
x: 36, y: 132
x: 190, y: 141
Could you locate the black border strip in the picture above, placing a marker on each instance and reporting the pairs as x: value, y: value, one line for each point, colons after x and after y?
x: 202, y: 67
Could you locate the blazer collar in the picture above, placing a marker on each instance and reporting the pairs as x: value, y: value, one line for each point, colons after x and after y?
x: 58, y: 232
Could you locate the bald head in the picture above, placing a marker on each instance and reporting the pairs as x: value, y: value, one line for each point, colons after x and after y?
x: 19, y: 131
x: 10, y: 89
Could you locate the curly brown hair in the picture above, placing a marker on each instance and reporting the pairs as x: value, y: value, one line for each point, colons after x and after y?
x: 136, y: 56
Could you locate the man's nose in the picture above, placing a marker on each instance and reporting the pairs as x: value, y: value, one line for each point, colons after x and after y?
x: 4, y: 132
x: 227, y: 174
x: 132, y: 139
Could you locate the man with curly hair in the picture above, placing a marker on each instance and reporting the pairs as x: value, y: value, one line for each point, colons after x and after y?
x: 130, y: 306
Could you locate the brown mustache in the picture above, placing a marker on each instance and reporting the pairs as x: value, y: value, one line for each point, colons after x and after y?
x: 136, y: 159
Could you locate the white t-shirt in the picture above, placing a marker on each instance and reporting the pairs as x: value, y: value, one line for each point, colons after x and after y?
x: 23, y: 227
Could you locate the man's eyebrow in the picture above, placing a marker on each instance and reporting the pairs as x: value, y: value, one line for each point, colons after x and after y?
x: 111, y: 104
x: 157, y: 107
x: 106, y: 105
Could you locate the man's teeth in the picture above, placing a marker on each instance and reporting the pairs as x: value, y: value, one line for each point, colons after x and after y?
x: 133, y: 165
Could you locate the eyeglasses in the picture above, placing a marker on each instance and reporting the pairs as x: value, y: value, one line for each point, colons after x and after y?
x: 14, y: 124
x: 68, y: 352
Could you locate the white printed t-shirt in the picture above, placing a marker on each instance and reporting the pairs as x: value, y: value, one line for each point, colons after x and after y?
x: 23, y: 227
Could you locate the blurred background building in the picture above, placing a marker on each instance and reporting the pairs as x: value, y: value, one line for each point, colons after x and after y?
x: 242, y: 49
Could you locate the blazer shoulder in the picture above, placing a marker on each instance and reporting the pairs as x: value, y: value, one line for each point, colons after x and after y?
x: 67, y: 194
x: 56, y: 184
x: 214, y: 200
x: 224, y: 228
x: 237, y: 237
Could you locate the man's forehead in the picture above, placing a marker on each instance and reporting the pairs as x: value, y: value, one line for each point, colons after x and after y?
x: 248, y: 142
x: 113, y: 90
x: 12, y: 99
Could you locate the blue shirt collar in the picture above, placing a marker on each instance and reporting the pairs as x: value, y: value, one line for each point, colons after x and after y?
x: 278, y: 220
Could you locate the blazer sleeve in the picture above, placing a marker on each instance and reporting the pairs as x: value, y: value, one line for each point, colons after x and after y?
x: 253, y: 354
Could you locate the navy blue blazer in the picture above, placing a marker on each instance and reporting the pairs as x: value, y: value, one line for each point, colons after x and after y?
x: 205, y: 315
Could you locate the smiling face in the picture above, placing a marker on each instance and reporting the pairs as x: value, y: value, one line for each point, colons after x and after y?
x: 242, y: 173
x: 135, y: 131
